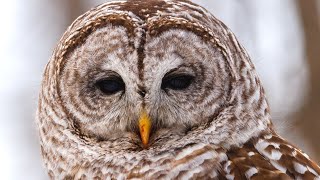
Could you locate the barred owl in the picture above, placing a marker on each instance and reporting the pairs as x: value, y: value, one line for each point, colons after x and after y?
x: 158, y: 89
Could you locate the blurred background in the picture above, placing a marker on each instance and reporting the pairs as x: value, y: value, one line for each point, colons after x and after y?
x: 282, y: 37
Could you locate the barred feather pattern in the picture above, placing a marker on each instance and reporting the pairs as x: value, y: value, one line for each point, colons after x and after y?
x: 218, y: 128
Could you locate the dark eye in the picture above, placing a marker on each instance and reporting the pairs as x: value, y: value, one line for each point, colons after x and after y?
x: 111, y: 85
x: 177, y: 82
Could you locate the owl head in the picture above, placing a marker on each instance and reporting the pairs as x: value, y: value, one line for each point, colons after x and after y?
x: 131, y: 76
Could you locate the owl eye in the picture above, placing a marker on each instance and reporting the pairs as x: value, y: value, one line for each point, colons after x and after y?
x: 177, y: 82
x: 111, y: 85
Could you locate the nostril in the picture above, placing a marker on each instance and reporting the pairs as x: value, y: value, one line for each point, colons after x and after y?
x: 142, y: 92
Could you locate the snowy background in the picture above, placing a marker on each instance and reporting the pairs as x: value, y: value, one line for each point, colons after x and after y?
x: 271, y: 30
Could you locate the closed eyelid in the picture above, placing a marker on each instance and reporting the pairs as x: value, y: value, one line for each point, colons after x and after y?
x: 182, y: 69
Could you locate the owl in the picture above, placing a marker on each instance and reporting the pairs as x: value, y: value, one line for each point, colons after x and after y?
x: 158, y: 89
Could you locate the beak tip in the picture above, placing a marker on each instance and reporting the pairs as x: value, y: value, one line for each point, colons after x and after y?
x: 145, y: 146
x: 144, y: 127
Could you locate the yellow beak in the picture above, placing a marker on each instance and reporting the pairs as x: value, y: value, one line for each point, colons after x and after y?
x: 144, y: 127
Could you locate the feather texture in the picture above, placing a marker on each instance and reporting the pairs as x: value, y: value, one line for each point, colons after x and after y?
x: 217, y: 127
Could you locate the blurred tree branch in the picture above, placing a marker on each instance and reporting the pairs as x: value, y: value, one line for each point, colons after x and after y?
x: 76, y: 8
x: 309, y: 117
x: 71, y: 8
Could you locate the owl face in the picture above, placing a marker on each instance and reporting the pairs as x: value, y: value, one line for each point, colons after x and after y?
x: 158, y: 90
x: 181, y: 82
x: 145, y: 89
